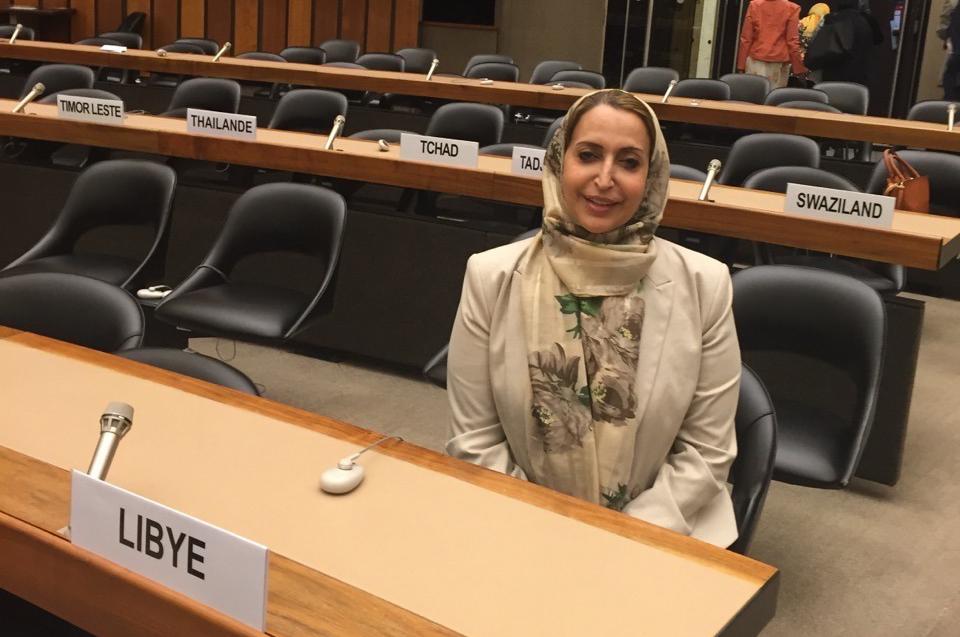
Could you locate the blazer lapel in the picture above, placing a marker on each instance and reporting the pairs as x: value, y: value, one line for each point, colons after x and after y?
x: 657, y: 295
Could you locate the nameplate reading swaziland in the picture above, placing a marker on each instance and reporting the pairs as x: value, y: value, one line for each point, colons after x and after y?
x: 844, y: 206
x: 90, y: 109
x: 223, y: 124
x: 440, y: 150
x: 213, y: 566
x: 528, y: 161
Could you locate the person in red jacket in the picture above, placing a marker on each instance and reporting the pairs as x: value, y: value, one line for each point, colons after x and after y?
x: 769, y: 43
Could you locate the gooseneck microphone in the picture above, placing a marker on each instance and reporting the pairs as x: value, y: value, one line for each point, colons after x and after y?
x: 666, y: 95
x: 226, y: 47
x: 115, y: 422
x: 16, y: 33
x: 712, y: 169
x: 951, y: 115
x: 338, y: 123
x: 348, y: 475
x: 34, y: 93
x: 433, y: 67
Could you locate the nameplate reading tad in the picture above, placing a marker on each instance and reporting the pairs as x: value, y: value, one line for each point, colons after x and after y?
x: 223, y: 124
x: 90, y: 109
x: 440, y: 150
x: 528, y: 162
x: 213, y: 566
x: 844, y: 206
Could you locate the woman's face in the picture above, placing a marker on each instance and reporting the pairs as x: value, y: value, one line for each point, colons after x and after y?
x: 605, y: 168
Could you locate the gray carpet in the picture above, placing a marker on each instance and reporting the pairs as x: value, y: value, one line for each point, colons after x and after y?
x: 869, y: 560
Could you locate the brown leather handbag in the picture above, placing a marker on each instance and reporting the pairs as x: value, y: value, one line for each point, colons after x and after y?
x: 911, y: 189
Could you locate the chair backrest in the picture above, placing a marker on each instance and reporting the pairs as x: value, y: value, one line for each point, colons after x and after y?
x: 551, y: 131
x: 505, y: 149
x: 750, y: 475
x: 652, y: 80
x: 72, y: 308
x: 57, y: 77
x: 572, y: 84
x: 212, y: 94
x: 262, y: 56
x: 747, y: 87
x: 791, y: 94
x: 751, y: 153
x: 346, y: 65
x: 341, y: 50
x: 304, y: 54
x: 702, y: 88
x: 417, y: 60
x: 679, y: 171
x: 776, y: 179
x: 484, y: 58
x: 548, y: 68
x: 934, y: 111
x: 98, y: 41
x: 810, y: 106
x: 209, y: 47
x: 26, y: 33
x: 81, y: 92
x: 481, y: 123
x: 590, y: 78
x: 194, y: 365
x: 498, y: 71
x: 183, y: 47
x: 943, y: 171
x: 308, y: 110
x: 133, y: 22
x: 829, y: 317
x: 849, y: 97
x: 382, y: 62
x: 126, y: 38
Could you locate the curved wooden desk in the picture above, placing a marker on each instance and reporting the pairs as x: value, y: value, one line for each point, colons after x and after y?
x: 428, y: 545
x: 728, y: 114
x: 916, y: 240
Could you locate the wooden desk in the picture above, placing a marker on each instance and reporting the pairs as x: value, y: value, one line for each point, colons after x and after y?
x: 52, y: 25
x: 916, y: 240
x: 428, y: 545
x: 728, y: 114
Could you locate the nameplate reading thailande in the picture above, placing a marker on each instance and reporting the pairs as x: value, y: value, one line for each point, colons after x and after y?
x: 90, y: 109
x: 454, y: 152
x: 844, y: 206
x: 213, y: 566
x: 528, y: 162
x: 223, y: 124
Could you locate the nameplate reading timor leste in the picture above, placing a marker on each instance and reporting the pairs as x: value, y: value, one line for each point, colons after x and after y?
x: 222, y: 124
x: 440, y: 150
x: 213, y: 566
x: 90, y: 109
x: 843, y: 206
x: 527, y: 162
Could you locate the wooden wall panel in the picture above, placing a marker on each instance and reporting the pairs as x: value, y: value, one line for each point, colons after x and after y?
x: 83, y: 24
x: 166, y: 22
x: 109, y: 15
x: 192, y: 22
x: 220, y: 20
x: 379, y: 25
x: 273, y: 25
x: 326, y: 20
x: 353, y: 21
x: 246, y: 26
x: 406, y: 24
x: 48, y: 4
x: 27, y: 3
x: 300, y: 23
x: 143, y: 5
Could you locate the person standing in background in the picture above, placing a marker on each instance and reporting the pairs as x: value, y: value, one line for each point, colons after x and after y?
x: 769, y: 41
x: 951, y: 74
x: 946, y: 10
x: 808, y: 28
x: 861, y: 35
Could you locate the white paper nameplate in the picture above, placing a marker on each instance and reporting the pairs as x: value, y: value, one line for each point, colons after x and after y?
x: 113, y: 48
x: 90, y: 109
x: 528, y: 161
x: 440, y: 150
x: 223, y: 124
x: 213, y: 566
x: 856, y: 208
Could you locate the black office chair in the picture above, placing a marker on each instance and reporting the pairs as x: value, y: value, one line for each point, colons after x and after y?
x: 933, y: 111
x: 194, y: 365
x: 652, y: 80
x: 125, y: 38
x: 497, y: 71
x: 341, y: 50
x: 481, y: 123
x: 807, y: 105
x: 133, y: 22
x: 183, y: 47
x: 703, y: 89
x: 123, y: 192
x: 544, y: 71
x: 776, y: 179
x: 167, y: 79
x: 590, y: 78
x: 817, y: 340
x: 304, y: 54
x: 764, y: 150
x: 416, y: 60
x: 26, y: 33
x: 58, y: 77
x: 308, y: 110
x: 852, y: 98
x: 485, y: 58
x: 209, y: 47
x: 268, y: 219
x: 750, y: 475
x: 212, y: 94
x: 747, y: 87
x: 679, y: 171
x: 382, y: 62
x: 943, y: 171
x: 504, y: 149
x: 98, y: 41
x: 72, y: 308
x: 262, y: 89
x: 790, y: 94
x: 263, y: 56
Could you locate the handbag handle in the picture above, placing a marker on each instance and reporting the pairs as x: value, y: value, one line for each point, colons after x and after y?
x: 898, y: 168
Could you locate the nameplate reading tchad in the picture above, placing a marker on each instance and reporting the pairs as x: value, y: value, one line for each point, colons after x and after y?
x: 221, y: 124
x: 527, y: 162
x: 439, y: 150
x: 213, y: 566
x: 843, y: 206
x: 90, y: 109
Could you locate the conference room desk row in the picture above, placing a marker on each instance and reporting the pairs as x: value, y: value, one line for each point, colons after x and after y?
x: 427, y: 545
x: 737, y: 115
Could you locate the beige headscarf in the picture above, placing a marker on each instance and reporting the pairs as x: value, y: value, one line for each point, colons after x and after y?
x: 583, y: 317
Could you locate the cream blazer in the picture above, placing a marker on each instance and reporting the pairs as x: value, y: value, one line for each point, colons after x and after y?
x: 686, y: 386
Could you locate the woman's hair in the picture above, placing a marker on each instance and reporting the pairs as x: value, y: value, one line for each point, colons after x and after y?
x: 611, y: 97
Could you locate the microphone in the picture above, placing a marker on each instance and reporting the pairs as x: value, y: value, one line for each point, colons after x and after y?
x: 712, y: 169
x: 115, y: 422
x: 338, y: 123
x: 16, y: 33
x: 951, y: 115
x: 666, y: 95
x: 34, y: 93
x: 433, y: 67
x: 226, y: 47
x: 348, y: 475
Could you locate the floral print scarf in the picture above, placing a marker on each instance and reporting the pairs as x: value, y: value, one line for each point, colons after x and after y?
x: 583, y: 316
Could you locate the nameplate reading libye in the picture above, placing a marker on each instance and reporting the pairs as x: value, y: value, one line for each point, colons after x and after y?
x: 844, y: 206
x: 90, y: 109
x: 213, y: 566
x: 528, y: 162
x: 223, y: 124
x: 440, y: 150
x: 113, y: 48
